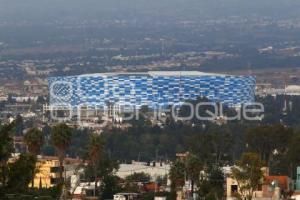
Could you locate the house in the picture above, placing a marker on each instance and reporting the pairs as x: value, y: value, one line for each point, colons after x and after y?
x: 284, y: 183
x: 296, y: 194
x: 272, y: 187
x: 47, y: 172
x: 151, y: 187
x: 48, y: 169
x: 155, y: 170
x: 298, y: 179
x: 84, y: 190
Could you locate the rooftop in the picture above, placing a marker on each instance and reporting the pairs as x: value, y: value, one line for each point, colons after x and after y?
x: 282, y: 181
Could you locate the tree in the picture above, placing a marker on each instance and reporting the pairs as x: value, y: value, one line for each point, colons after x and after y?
x: 138, y: 177
x: 193, y: 168
x: 105, y: 171
x: 6, y: 148
x: 100, y: 166
x: 248, y: 175
x: 110, y: 186
x: 20, y: 173
x: 221, y: 141
x: 95, y: 153
x: 61, y: 140
x: 19, y: 125
x: 292, y: 157
x: 177, y: 176
x: 34, y: 141
x: 212, y: 187
x: 267, y: 138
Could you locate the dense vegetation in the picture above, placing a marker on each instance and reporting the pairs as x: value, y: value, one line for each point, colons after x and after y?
x: 273, y: 141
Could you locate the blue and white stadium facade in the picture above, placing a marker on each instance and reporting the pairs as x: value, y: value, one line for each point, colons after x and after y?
x: 154, y: 88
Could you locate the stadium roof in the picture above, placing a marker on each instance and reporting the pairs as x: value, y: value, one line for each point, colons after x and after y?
x: 159, y: 73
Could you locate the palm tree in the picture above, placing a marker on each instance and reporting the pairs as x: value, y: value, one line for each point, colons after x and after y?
x: 193, y: 168
x: 6, y: 148
x: 95, y: 152
x: 34, y: 140
x: 177, y: 175
x: 61, y: 140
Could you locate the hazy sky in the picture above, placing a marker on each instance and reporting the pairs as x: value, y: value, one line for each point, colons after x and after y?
x: 55, y: 9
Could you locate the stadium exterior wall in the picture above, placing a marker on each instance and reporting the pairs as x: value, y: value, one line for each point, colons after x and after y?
x: 156, y: 88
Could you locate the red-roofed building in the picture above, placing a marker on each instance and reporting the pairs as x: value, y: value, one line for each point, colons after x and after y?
x: 272, y: 187
x: 151, y: 187
x: 285, y: 184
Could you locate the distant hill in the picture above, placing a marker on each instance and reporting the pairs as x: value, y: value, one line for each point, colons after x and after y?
x: 41, y: 10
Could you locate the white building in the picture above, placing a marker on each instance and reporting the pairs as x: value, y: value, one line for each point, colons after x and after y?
x: 157, y: 170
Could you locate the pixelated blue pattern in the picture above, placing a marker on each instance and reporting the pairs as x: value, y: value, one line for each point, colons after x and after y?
x: 143, y: 89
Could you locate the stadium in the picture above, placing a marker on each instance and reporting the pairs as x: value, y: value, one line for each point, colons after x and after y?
x: 153, y: 88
